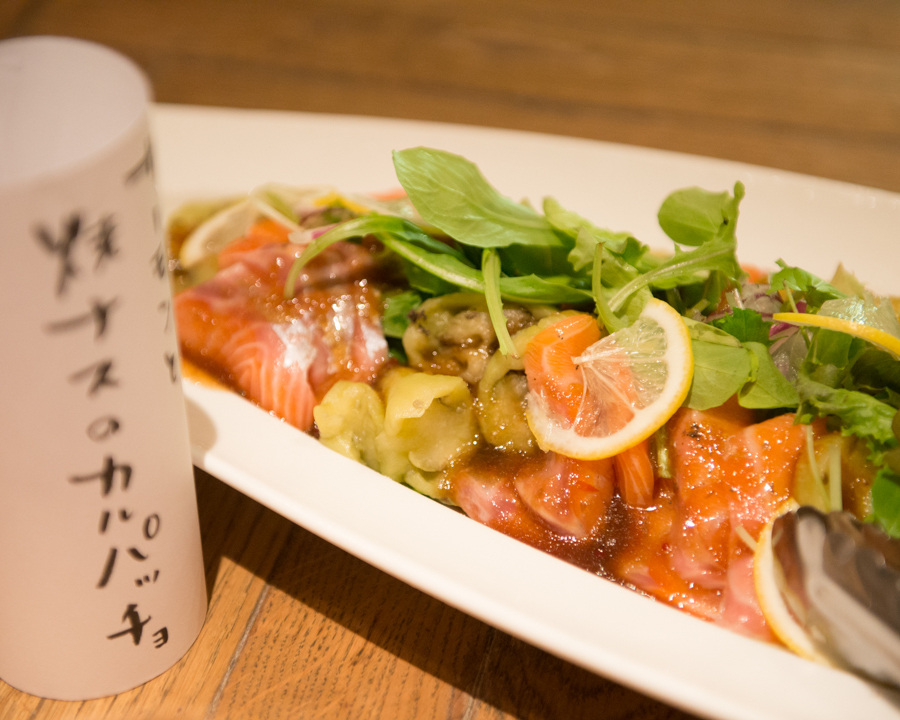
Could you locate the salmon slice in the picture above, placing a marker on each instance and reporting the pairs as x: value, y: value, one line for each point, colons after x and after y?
x: 551, y: 373
x: 267, y: 264
x: 693, y: 549
x: 571, y: 496
x: 284, y: 355
x: 700, y: 538
x: 635, y: 474
x: 551, y: 502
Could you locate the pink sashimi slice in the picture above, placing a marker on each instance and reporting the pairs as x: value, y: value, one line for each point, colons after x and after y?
x: 285, y: 355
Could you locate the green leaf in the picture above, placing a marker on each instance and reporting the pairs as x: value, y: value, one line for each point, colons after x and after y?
x: 830, y: 347
x: 704, y: 332
x: 694, y: 216
x: 451, y: 194
x: 535, y: 259
x: 554, y: 289
x: 607, y: 317
x: 490, y: 268
x: 813, y: 289
x: 571, y: 223
x: 746, y: 325
x: 685, y: 267
x: 397, y: 307
x: 719, y: 372
x: 424, y: 281
x: 721, y: 366
x: 768, y: 388
x: 860, y: 414
x: 874, y: 371
x: 584, y: 236
x: 377, y: 225
x: 886, y: 501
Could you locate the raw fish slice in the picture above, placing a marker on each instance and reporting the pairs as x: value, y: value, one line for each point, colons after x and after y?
x: 269, y: 263
x: 284, y: 355
x: 548, y: 501
x: 267, y: 363
x: 693, y: 549
x: 700, y: 535
x: 740, y: 610
x: 487, y: 498
x: 572, y: 496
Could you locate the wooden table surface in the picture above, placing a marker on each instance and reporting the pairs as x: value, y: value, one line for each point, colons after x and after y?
x: 297, y: 628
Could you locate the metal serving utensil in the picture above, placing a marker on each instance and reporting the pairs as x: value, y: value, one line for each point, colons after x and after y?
x: 842, y: 582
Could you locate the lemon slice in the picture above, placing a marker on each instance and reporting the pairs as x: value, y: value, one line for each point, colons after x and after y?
x: 634, y: 381
x: 768, y: 580
x: 876, y: 336
x: 227, y: 226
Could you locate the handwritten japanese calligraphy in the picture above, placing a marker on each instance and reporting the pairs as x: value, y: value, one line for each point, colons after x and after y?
x: 97, y: 314
x: 74, y: 232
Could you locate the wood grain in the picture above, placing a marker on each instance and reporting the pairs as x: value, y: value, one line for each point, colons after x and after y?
x: 296, y: 627
x: 806, y: 85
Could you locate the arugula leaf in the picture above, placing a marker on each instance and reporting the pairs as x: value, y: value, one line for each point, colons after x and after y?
x: 830, y: 356
x: 875, y: 371
x: 683, y: 268
x: 535, y: 259
x: 424, y: 281
x: 554, y: 290
x: 767, y: 388
x: 830, y: 347
x: 721, y: 366
x: 719, y: 372
x: 490, y: 268
x: 694, y: 216
x: 571, y: 224
x: 584, y: 237
x: 609, y: 320
x: 886, y: 501
x: 860, y: 414
x: 440, y: 261
x: 814, y: 289
x: 450, y: 193
x: 377, y: 225
x: 397, y: 307
x: 710, y: 333
x: 746, y: 325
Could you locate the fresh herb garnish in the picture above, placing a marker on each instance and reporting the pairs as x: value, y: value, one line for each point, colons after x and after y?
x: 694, y: 216
x: 746, y: 325
x: 476, y: 239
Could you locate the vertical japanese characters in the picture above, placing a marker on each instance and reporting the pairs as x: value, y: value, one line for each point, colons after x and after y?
x: 85, y: 247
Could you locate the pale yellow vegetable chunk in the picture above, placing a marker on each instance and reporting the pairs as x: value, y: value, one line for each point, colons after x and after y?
x: 429, y: 424
x: 350, y: 418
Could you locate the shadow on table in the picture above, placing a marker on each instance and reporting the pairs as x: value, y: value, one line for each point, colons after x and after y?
x: 315, y: 586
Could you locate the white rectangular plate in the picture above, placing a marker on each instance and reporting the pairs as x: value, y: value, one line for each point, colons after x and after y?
x: 591, y: 622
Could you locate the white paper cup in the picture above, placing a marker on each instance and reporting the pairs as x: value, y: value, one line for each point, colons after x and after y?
x: 101, y: 571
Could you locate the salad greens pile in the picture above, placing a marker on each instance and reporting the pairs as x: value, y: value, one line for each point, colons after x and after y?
x: 473, y: 238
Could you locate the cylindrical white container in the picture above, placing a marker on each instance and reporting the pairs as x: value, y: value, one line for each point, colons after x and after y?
x: 101, y: 571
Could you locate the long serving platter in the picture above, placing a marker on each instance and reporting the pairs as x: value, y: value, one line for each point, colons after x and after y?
x: 816, y: 223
